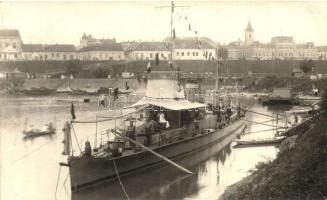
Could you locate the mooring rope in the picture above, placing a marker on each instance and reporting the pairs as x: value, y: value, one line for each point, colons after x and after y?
x: 57, y: 182
x: 266, y: 115
x: 120, y: 182
x: 265, y: 130
x: 263, y: 124
x: 76, y: 138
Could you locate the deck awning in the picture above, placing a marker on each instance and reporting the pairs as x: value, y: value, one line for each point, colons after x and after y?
x: 170, y: 104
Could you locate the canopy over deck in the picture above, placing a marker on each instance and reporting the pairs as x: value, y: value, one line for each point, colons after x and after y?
x: 170, y: 104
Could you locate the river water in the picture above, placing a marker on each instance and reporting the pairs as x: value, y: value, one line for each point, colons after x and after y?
x: 29, y: 168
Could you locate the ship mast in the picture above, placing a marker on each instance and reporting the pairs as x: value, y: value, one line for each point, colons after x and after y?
x: 172, y: 34
x: 217, y: 80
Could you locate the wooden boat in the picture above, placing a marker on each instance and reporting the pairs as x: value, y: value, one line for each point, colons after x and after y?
x: 48, y: 130
x: 39, y: 91
x: 280, y: 96
x: 260, y: 141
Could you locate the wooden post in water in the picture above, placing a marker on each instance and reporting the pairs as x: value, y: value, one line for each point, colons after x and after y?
x: 67, y: 139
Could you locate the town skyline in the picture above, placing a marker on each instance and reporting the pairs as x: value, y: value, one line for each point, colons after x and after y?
x: 65, y: 22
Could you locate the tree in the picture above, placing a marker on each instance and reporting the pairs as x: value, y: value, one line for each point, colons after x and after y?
x: 101, y: 72
x: 222, y: 53
x: 73, y: 68
x: 307, y: 66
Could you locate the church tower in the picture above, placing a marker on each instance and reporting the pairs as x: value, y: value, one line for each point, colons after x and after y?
x: 248, y: 34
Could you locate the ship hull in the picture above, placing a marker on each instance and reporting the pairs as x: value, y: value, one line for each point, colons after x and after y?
x: 86, y: 171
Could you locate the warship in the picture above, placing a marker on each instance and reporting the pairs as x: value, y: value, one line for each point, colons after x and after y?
x: 164, y: 126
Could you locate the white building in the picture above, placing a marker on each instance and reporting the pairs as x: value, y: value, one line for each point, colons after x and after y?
x: 113, y: 51
x: 280, y: 47
x: 193, y: 49
x: 322, y: 52
x: 10, y: 44
x: 184, y: 49
x: 48, y: 52
x: 148, y: 51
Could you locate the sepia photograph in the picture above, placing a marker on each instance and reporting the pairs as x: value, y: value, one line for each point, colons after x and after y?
x: 163, y: 100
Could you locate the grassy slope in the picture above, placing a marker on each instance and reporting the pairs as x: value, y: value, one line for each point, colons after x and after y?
x: 297, y: 173
x: 281, y: 67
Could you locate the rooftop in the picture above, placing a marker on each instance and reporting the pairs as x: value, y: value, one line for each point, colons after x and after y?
x: 103, y: 47
x: 9, y: 33
x: 152, y: 46
x: 192, y: 43
x: 322, y: 48
x: 249, y: 27
x: 282, y: 39
x: 48, y: 48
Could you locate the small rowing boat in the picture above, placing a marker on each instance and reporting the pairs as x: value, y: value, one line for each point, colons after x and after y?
x: 260, y: 141
x: 47, y: 130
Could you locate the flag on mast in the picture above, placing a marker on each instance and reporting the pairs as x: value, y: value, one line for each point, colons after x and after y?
x: 72, y: 111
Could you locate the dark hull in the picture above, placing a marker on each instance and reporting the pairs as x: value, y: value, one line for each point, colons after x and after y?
x: 38, y: 92
x: 280, y: 101
x: 85, y: 171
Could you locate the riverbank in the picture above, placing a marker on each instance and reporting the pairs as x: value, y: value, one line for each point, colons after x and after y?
x: 303, y: 85
x: 298, y: 172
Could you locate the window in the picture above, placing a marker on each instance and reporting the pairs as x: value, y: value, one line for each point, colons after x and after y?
x: 162, y: 55
x: 188, y: 53
x: 177, y: 53
x: 150, y: 55
x: 64, y: 57
x: 71, y: 57
x: 193, y: 53
x: 119, y: 57
x: 110, y: 58
x: 7, y: 44
x: 182, y: 53
x: 196, y: 53
x: 14, y: 45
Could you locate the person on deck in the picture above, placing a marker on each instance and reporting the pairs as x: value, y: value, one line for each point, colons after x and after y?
x: 150, y: 129
x: 131, y: 133
x: 162, y: 120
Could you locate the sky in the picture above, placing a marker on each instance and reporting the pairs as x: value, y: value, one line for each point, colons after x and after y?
x: 64, y: 22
